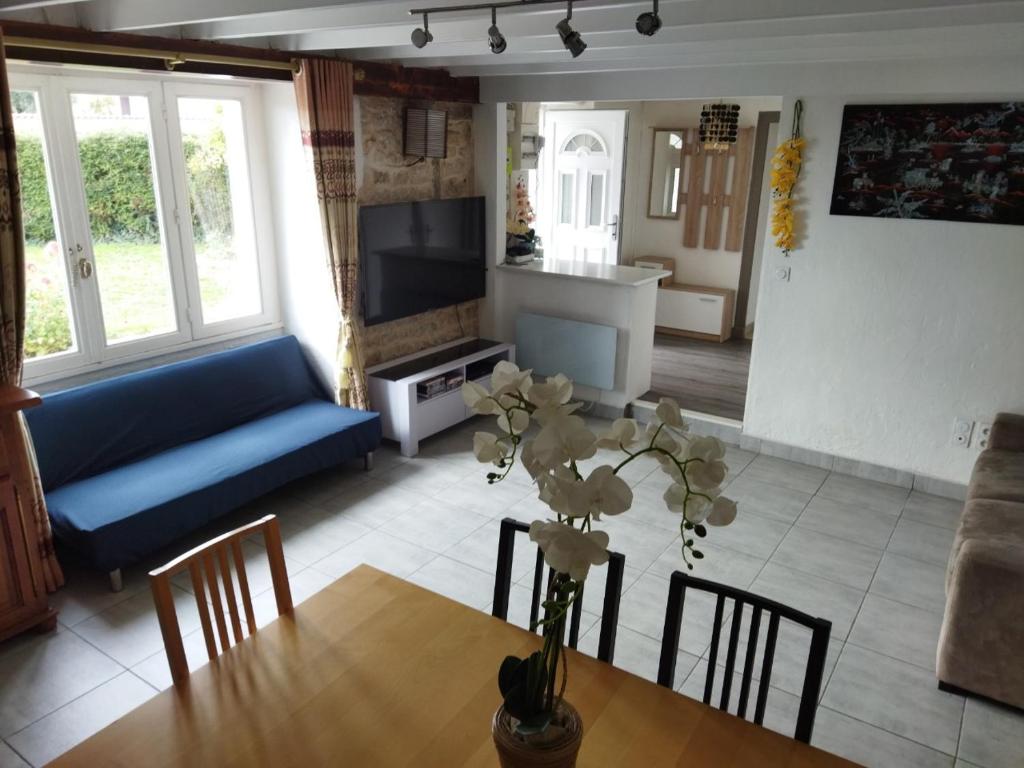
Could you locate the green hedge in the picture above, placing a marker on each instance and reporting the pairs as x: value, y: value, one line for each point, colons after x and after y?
x: 119, y: 190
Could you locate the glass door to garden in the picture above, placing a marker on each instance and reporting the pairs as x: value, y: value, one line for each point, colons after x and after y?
x: 140, y: 230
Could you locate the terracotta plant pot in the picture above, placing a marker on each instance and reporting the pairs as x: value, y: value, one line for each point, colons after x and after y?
x: 557, y: 750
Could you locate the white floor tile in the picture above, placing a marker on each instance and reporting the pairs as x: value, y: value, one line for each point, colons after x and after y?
x: 763, y: 498
x: 379, y: 549
x: 372, y: 503
x: 848, y: 521
x: 897, y: 630
x: 866, y: 494
x: 56, y: 733
x: 787, y: 474
x: 934, y: 510
x: 899, y: 697
x: 129, y: 631
x: 828, y: 557
x: 912, y: 582
x: 922, y: 542
x: 819, y: 597
x: 435, y: 525
x: 871, y: 746
x: 457, y: 581
x: 9, y: 758
x: 637, y: 653
x: 993, y: 736
x: 41, y: 673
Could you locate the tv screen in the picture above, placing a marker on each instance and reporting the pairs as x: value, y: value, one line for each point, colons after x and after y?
x: 420, y: 256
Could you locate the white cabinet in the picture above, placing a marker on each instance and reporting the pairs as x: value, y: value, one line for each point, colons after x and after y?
x: 399, y: 388
x: 693, y: 310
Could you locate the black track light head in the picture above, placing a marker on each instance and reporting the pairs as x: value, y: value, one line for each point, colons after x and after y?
x: 570, y: 37
x: 649, y: 22
x: 421, y: 35
x: 495, y: 39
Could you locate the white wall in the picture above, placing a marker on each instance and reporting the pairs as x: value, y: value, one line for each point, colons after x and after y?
x: 308, y: 306
x: 764, y: 213
x: 888, y: 329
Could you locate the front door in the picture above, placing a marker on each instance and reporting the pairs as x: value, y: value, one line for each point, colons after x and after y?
x: 583, y: 189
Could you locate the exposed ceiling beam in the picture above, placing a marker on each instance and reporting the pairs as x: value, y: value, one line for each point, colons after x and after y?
x: 24, y: 5
x: 452, y: 43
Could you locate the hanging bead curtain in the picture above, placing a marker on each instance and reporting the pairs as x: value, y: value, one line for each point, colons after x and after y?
x: 719, y: 126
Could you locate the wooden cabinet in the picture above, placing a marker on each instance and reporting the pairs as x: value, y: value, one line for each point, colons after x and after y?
x: 697, y: 311
x: 23, y: 600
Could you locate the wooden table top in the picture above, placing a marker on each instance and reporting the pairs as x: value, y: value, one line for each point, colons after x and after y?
x: 375, y: 671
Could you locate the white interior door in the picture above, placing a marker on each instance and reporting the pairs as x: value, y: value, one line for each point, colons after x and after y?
x: 583, y: 186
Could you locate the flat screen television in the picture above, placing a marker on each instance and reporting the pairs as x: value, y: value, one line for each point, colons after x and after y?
x: 420, y: 256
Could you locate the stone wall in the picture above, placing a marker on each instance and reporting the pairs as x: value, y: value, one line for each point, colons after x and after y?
x: 391, y: 177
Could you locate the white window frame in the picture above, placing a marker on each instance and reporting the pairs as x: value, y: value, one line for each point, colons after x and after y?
x: 54, y: 87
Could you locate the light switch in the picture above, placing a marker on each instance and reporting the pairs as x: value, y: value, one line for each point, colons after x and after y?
x: 782, y: 273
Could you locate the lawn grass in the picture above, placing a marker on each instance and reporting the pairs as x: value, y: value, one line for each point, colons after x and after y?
x: 135, y: 292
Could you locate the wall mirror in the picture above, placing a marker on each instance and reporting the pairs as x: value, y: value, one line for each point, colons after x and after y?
x: 666, y: 170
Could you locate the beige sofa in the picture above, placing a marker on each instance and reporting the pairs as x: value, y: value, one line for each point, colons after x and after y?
x: 981, y: 645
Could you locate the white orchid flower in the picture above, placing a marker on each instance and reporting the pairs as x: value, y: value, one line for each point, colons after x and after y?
x: 562, y: 438
x: 488, y: 449
x: 569, y: 550
x: 707, y: 470
x: 723, y: 512
x: 478, y: 399
x: 621, y: 435
x: 668, y: 413
x: 557, y: 390
x: 603, y: 492
x: 507, y: 378
x: 529, y: 461
x: 513, y: 422
x: 695, y: 507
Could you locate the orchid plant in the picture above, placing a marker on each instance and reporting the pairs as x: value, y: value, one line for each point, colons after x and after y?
x: 554, y: 458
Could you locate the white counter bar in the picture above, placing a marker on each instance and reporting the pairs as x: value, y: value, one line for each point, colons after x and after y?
x: 600, y: 273
x: 623, y: 298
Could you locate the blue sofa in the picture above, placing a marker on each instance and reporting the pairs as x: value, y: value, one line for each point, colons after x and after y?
x: 133, y: 463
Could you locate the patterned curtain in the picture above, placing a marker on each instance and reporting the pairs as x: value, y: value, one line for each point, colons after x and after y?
x: 323, y: 88
x: 21, y: 456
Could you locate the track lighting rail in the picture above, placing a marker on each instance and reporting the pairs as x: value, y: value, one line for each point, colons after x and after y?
x: 486, y: 6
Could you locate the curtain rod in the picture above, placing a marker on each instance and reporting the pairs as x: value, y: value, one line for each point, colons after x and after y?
x: 171, y: 59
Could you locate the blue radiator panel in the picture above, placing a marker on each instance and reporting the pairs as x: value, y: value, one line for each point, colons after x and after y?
x: 585, y: 352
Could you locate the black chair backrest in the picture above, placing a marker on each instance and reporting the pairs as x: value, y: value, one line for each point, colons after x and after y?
x: 820, y: 631
x: 503, y: 588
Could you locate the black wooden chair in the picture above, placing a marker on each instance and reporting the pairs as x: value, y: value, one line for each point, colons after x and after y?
x: 820, y: 631
x: 503, y: 588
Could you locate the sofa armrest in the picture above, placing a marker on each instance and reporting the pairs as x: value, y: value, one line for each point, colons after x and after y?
x: 1007, y: 432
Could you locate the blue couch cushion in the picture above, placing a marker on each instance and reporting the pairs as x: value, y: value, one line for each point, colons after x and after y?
x: 87, y: 430
x: 118, y: 517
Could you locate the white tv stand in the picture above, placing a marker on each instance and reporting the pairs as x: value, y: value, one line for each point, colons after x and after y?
x: 406, y: 415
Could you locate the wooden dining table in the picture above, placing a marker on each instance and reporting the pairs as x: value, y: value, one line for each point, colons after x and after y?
x: 375, y: 671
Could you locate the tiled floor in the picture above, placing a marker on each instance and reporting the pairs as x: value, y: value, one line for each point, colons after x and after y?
x: 867, y: 556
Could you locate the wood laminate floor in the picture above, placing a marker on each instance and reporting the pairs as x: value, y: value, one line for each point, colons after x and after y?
x: 702, y: 376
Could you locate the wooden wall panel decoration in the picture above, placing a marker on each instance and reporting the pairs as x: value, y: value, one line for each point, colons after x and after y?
x: 722, y: 206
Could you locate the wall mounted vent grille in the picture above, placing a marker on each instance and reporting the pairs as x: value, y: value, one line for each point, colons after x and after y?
x: 426, y: 132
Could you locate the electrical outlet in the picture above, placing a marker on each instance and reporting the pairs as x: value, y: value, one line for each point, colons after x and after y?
x: 984, y: 433
x: 962, y: 429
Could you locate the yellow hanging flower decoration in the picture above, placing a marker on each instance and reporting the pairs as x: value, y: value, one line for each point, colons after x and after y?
x: 786, y: 164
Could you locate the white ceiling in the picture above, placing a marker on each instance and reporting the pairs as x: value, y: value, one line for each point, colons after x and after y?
x: 695, y: 33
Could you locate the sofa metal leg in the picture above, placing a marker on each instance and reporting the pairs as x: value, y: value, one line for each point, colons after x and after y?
x: 368, y: 461
x: 116, y: 582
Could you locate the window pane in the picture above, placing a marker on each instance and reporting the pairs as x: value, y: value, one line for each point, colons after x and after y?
x: 218, y: 189
x: 48, y: 326
x: 568, y: 182
x: 595, y: 215
x: 131, y: 258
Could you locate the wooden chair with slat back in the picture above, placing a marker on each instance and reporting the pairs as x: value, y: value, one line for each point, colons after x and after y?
x: 820, y: 630
x: 212, y: 563
x: 612, y: 592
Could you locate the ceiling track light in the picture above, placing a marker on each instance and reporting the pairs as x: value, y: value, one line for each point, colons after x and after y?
x: 570, y: 37
x: 495, y: 39
x: 421, y: 35
x: 649, y: 22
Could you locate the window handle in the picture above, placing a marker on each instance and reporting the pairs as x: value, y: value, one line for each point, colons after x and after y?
x: 84, y: 268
